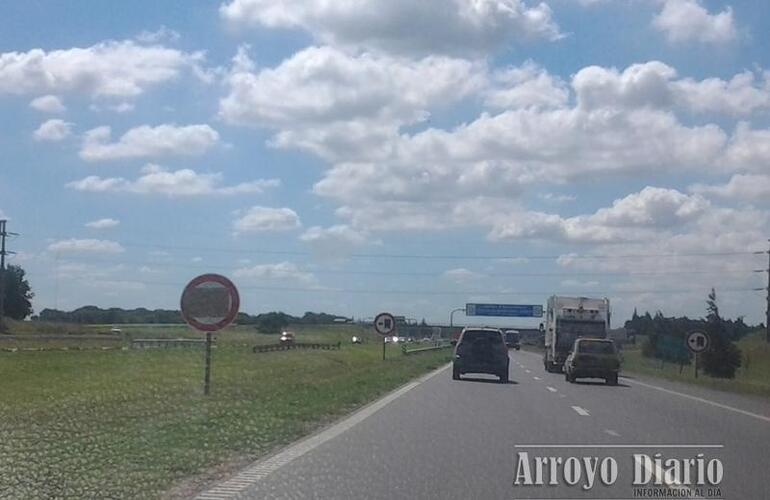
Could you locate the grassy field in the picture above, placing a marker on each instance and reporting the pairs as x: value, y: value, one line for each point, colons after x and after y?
x: 134, y: 423
x: 31, y: 335
x: 752, y: 378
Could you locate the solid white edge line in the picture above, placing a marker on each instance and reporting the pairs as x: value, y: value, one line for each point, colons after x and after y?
x: 266, y: 466
x: 764, y: 418
x: 699, y: 399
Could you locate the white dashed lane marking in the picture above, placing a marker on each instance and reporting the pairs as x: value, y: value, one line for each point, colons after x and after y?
x: 537, y: 378
x: 552, y: 389
x: 581, y: 411
x: 611, y: 432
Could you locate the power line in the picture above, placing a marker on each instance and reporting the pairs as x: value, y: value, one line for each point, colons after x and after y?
x: 446, y: 257
x: 320, y: 289
x: 437, y: 273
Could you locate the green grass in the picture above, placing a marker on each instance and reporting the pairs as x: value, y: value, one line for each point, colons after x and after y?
x: 134, y: 424
x: 752, y: 378
x: 246, y: 335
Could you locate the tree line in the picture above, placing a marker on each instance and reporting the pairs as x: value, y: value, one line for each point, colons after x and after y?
x: 665, y: 338
x: 271, y: 321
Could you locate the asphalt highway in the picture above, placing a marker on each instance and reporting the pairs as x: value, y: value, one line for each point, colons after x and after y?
x: 442, y: 439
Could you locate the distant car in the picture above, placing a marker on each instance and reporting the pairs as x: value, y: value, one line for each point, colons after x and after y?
x: 401, y: 339
x: 287, y: 337
x: 115, y: 330
x: 513, y: 339
x: 425, y: 340
x: 481, y: 350
x: 357, y: 340
x: 593, y: 358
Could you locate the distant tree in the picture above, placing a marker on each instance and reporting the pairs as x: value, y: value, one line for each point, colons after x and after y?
x: 272, y: 322
x: 18, y: 294
x: 723, y: 357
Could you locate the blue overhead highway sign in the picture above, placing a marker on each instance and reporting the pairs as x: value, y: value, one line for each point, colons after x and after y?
x: 510, y: 310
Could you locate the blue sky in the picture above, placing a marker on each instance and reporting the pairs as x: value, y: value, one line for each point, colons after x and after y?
x: 388, y: 155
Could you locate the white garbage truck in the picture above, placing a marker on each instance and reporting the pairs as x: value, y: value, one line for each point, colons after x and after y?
x: 569, y: 318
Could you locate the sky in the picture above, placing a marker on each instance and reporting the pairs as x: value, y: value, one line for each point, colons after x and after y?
x: 389, y: 155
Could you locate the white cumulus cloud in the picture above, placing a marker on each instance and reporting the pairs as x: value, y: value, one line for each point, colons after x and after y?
x: 105, y: 223
x: 259, y: 219
x: 48, y: 104
x: 688, y: 20
x: 404, y: 26
x: 337, y: 241
x: 633, y: 217
x: 85, y: 246
x: 283, y: 274
x: 322, y: 97
x: 173, y: 183
x: 526, y: 86
x: 109, y: 69
x: 656, y: 85
x: 750, y: 188
x: 148, y: 142
x: 53, y: 130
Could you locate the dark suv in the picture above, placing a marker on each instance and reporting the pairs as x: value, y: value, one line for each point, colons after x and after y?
x: 481, y: 350
x: 513, y: 339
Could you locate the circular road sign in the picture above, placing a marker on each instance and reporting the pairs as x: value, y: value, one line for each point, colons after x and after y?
x: 385, y: 323
x: 210, y: 302
x: 697, y: 341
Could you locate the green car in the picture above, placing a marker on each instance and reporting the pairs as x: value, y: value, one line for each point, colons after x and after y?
x: 593, y: 358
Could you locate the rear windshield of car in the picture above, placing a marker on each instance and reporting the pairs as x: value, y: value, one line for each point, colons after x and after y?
x: 481, y: 336
x: 596, y: 347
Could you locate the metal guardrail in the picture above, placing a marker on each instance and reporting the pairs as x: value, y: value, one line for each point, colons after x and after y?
x: 296, y: 345
x: 154, y: 343
x: 434, y: 347
x: 56, y: 337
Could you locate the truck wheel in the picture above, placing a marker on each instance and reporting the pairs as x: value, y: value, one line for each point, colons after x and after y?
x: 612, y: 379
x: 455, y: 374
x: 503, y: 376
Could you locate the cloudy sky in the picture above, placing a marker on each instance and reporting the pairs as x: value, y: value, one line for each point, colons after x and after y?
x: 401, y: 155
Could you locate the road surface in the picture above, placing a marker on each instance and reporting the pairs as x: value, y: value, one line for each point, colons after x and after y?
x: 443, y: 439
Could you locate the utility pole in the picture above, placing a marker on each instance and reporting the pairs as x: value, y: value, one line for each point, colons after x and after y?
x: 3, y: 234
x: 3, y: 253
x: 767, y: 310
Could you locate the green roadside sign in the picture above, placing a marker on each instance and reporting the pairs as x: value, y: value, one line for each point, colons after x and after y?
x: 672, y: 348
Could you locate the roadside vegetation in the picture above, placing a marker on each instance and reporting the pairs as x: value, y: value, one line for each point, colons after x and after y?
x: 753, y: 376
x: 134, y: 423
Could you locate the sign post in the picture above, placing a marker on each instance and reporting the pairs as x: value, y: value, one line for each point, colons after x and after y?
x: 697, y: 342
x: 385, y: 325
x: 209, y: 303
